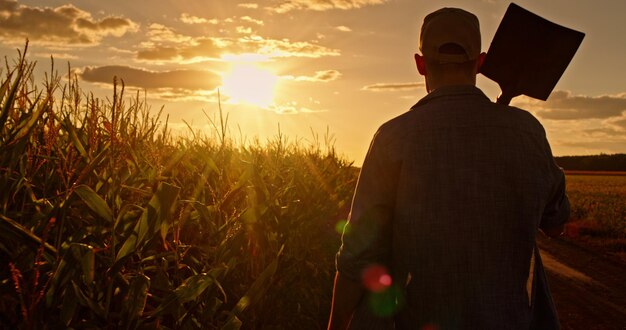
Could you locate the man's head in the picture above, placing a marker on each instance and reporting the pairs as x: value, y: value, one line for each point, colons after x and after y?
x: 450, y: 47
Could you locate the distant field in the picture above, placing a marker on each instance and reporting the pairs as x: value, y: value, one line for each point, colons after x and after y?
x: 598, y: 218
x: 601, y: 173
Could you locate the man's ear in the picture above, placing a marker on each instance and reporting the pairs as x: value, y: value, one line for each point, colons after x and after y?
x: 421, y: 64
x: 479, y: 63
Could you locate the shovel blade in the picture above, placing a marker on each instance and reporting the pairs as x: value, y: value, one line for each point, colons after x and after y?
x: 529, y: 54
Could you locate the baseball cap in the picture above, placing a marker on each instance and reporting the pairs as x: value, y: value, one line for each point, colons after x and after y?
x: 450, y: 25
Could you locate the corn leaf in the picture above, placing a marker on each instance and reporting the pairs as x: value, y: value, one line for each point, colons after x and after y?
x: 78, y: 261
x: 11, y: 229
x: 5, y: 86
x: 207, y: 214
x: 28, y: 124
x: 135, y: 300
x: 68, y: 310
x: 71, y: 130
x: 257, y: 289
x: 188, y: 291
x: 8, y: 102
x: 233, y: 323
x: 158, y: 210
x: 84, y: 300
x: 95, y: 203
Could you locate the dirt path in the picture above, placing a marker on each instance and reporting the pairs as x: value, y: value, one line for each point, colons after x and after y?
x: 589, y: 290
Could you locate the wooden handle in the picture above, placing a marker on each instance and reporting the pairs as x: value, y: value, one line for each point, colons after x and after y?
x: 505, y: 98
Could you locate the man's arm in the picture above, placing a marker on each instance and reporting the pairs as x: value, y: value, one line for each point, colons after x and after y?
x: 366, y: 239
x: 557, y: 210
x: 346, y: 296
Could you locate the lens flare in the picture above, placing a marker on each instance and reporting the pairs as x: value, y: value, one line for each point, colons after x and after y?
x: 384, y: 298
x: 376, y: 278
x: 342, y: 226
x: 387, y: 302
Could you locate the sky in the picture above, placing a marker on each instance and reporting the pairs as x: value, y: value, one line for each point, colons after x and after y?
x: 313, y: 70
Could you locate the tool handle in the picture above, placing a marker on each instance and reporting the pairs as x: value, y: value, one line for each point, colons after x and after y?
x: 505, y: 97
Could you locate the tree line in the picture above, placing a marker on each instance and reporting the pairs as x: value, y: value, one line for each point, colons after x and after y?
x: 601, y: 162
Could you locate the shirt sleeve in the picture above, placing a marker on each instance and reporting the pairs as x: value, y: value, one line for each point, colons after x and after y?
x: 557, y: 209
x: 367, y: 237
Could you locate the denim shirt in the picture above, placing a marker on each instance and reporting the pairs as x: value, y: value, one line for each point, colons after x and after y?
x: 450, y: 199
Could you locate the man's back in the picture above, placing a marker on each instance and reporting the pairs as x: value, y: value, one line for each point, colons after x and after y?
x: 449, y: 199
x: 463, y: 185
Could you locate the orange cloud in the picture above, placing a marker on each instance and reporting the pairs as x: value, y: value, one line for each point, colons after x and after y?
x: 189, y: 80
x: 619, y: 123
x: 167, y: 45
x: 190, y: 19
x: 382, y: 87
x: 248, y: 5
x: 251, y: 20
x: 64, y: 24
x: 291, y: 108
x: 320, y: 76
x: 563, y: 105
x: 321, y: 5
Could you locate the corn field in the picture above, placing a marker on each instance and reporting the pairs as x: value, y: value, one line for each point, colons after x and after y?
x: 109, y: 221
x: 598, y: 217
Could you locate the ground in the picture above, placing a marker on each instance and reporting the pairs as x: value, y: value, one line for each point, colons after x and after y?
x: 588, y: 288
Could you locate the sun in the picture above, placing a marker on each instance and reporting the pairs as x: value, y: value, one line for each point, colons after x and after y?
x: 248, y: 83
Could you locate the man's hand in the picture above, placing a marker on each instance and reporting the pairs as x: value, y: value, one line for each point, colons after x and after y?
x: 346, y: 296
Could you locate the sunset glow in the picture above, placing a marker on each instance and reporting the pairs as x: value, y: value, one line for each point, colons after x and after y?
x: 250, y: 84
x: 309, y: 65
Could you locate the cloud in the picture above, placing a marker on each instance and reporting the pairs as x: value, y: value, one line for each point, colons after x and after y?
x: 343, y: 28
x: 187, y: 80
x: 563, y: 105
x: 64, y: 24
x: 251, y: 20
x: 384, y: 87
x: 166, y: 45
x: 159, y: 53
x: 199, y: 50
x: 190, y: 19
x: 617, y: 123
x: 291, y: 108
x: 248, y: 5
x: 586, y: 136
x: 184, y: 95
x: 321, y: 5
x: 243, y: 30
x: 279, y: 48
x: 161, y: 33
x: 320, y: 76
x: 597, y: 139
x: 57, y: 56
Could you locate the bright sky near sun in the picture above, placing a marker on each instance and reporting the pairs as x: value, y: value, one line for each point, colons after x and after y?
x: 345, y: 66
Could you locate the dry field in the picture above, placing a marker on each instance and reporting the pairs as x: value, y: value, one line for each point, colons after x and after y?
x: 598, y: 219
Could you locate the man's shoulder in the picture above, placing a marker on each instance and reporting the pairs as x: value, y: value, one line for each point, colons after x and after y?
x: 524, y: 118
x: 396, y: 127
x: 432, y: 116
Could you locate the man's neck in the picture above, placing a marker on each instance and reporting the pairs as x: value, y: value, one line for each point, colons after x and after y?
x: 449, y: 80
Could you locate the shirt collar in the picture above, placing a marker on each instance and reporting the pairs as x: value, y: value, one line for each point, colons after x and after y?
x: 447, y: 91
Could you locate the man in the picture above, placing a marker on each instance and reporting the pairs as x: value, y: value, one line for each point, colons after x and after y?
x: 448, y: 204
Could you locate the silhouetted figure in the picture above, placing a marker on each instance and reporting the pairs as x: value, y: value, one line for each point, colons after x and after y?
x: 449, y: 201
